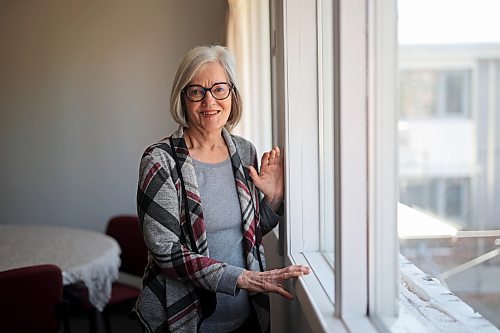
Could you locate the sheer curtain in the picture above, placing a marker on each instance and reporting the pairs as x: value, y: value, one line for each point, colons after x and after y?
x: 248, y: 37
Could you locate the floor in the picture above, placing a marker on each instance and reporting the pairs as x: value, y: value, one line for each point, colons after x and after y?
x: 118, y: 317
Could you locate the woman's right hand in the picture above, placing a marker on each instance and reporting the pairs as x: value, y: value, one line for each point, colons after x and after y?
x: 271, y: 281
x: 270, y: 179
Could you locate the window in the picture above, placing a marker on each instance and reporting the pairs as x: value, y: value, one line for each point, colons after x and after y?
x: 336, y: 95
x: 446, y: 197
x: 323, y: 124
x: 434, y: 93
x: 326, y: 128
x: 448, y: 134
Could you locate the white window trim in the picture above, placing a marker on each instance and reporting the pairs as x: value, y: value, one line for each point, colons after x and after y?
x: 295, y: 61
x: 366, y: 184
x: 366, y: 235
x: 382, y: 161
x: 302, y: 165
x: 351, y: 230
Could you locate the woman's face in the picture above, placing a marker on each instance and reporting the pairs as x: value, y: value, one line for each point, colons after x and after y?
x: 209, y: 114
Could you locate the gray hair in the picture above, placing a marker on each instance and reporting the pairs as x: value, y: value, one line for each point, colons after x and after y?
x: 192, y: 63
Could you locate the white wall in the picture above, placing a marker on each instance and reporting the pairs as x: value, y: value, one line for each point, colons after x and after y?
x: 84, y: 88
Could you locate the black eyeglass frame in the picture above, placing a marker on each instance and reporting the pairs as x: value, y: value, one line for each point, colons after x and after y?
x: 231, y: 87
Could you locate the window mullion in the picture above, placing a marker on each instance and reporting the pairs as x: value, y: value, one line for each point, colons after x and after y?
x: 383, y: 243
x: 351, y: 236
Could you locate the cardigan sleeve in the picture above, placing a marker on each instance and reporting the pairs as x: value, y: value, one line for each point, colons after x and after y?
x: 268, y: 217
x: 158, y: 210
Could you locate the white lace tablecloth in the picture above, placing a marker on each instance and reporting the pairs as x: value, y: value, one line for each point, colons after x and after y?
x: 83, y: 255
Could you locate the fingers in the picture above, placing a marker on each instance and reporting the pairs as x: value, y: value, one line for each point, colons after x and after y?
x: 269, y: 284
x: 277, y: 158
x: 299, y: 268
x: 294, y: 269
x: 271, y: 157
x: 253, y: 173
x: 280, y: 290
x: 271, y: 281
x: 276, y: 276
x: 265, y: 159
x: 289, y: 272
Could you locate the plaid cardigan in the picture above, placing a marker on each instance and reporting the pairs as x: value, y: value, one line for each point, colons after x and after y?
x: 181, y: 279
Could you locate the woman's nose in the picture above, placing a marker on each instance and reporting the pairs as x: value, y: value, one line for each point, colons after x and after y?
x: 209, y: 98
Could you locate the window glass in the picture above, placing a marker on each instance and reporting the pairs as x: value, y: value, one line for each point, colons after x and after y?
x: 418, y: 93
x: 456, y: 92
x: 431, y: 93
x: 325, y: 76
x: 449, y: 145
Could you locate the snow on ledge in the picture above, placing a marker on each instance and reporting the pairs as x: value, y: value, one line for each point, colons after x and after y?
x: 434, y: 308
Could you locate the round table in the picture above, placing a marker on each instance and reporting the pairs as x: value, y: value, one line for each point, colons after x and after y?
x: 83, y: 255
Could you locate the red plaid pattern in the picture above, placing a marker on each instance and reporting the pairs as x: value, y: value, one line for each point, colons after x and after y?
x: 180, y: 270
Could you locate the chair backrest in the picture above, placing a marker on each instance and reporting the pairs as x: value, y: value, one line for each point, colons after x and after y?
x: 127, y: 232
x: 29, y: 299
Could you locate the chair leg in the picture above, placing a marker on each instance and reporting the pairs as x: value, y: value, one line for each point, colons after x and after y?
x: 107, y: 321
x: 92, y: 321
x: 96, y: 322
x: 65, y: 319
x: 62, y: 313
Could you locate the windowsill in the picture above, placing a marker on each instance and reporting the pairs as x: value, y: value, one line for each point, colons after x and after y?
x: 315, y: 302
x: 425, y: 305
x: 425, y: 302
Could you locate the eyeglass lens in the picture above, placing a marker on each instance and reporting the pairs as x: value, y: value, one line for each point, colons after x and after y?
x: 196, y: 93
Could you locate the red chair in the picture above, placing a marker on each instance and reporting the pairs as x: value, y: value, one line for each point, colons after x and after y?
x: 32, y: 300
x: 126, y: 231
x: 134, y: 256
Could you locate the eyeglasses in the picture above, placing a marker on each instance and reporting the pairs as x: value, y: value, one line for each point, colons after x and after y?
x: 219, y: 91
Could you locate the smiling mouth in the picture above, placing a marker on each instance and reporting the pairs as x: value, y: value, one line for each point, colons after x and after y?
x: 210, y: 113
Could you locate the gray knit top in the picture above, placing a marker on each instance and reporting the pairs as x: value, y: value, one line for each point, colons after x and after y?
x: 224, y: 228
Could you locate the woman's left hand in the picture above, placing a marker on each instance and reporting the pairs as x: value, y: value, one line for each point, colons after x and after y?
x: 270, y: 179
x: 271, y: 281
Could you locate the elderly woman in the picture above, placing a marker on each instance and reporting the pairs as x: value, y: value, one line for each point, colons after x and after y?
x: 204, y: 207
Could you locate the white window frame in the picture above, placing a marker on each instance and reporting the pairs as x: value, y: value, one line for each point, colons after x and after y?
x: 366, y: 284
x: 359, y: 264
x: 384, y: 273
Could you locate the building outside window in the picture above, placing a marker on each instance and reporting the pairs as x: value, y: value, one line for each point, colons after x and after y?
x: 435, y: 93
x: 446, y: 197
x: 449, y: 88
